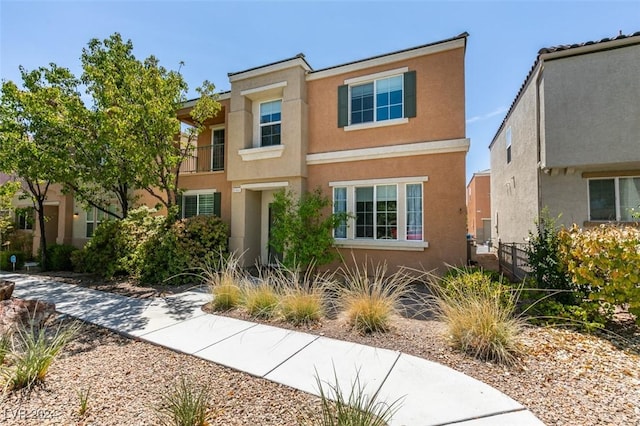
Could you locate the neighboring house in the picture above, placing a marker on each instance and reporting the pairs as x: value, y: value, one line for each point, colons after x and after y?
x: 383, y: 137
x: 571, y: 140
x: 479, y: 206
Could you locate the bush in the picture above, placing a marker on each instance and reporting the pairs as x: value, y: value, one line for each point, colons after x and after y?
x: 549, y: 271
x: 302, y: 300
x: 186, y: 404
x: 225, y: 279
x: 370, y: 299
x: 59, y: 257
x: 480, y: 318
x: 150, y: 248
x: 605, y: 261
x: 5, y: 260
x: 186, y: 244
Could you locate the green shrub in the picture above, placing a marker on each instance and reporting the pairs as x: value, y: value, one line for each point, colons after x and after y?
x: 586, y: 316
x: 605, y: 261
x: 59, y: 257
x: 5, y: 345
x: 453, y: 272
x: 186, y: 244
x: 480, y: 317
x: 186, y: 404
x: 549, y: 271
x: 5, y: 260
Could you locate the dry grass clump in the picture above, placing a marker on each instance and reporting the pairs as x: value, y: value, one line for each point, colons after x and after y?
x: 261, y: 300
x: 480, y: 317
x: 302, y: 299
x: 186, y: 404
x: 226, y: 280
x: 370, y: 298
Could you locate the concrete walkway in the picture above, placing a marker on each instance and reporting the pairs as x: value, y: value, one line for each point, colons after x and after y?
x: 432, y: 394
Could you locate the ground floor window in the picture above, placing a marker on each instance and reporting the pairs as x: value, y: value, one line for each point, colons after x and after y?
x: 382, y: 210
x: 25, y: 218
x: 95, y: 217
x: 200, y: 204
x: 613, y: 199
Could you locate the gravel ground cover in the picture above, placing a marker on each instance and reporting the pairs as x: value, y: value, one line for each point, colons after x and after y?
x: 566, y: 378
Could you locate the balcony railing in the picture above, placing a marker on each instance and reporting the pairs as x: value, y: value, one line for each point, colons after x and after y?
x: 208, y: 158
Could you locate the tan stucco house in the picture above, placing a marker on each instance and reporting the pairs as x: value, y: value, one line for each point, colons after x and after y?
x: 571, y: 140
x: 383, y: 137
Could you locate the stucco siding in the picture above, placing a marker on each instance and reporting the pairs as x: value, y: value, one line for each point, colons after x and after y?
x: 514, y: 185
x: 593, y: 117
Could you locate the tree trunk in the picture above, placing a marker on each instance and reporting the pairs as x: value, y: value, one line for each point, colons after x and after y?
x: 43, y: 238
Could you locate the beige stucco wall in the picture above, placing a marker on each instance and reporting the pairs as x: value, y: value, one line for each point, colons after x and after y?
x: 243, y: 130
x: 514, y: 185
x: 592, y: 113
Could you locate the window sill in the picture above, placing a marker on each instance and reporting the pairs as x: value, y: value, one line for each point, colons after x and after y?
x: 262, y: 153
x: 382, y: 244
x: 374, y: 124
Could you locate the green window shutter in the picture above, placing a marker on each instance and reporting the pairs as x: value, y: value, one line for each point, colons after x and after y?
x: 343, y: 106
x: 217, y: 200
x: 410, y: 94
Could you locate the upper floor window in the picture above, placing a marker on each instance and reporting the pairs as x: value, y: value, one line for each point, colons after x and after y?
x: 613, y: 199
x: 270, y: 122
x: 383, y: 98
x: 378, y: 100
x: 508, y: 143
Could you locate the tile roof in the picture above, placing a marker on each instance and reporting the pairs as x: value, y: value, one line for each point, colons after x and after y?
x: 586, y: 43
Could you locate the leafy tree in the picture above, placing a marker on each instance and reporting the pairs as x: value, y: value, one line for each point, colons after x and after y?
x: 134, y: 142
x: 37, y: 131
x: 301, y: 230
x: 7, y: 191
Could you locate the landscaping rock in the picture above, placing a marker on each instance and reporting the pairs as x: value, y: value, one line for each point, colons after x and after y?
x: 6, y: 289
x: 29, y: 313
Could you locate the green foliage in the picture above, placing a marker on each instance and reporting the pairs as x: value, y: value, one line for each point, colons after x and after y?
x: 301, y: 231
x: 586, y: 316
x: 356, y: 409
x: 7, y: 191
x: 453, y: 272
x: 605, y: 260
x: 5, y: 346
x: 187, y: 244
x: 59, y: 257
x: 549, y: 271
x: 186, y: 404
x: 83, y: 399
x: 22, y: 242
x: 5, y: 260
x: 480, y: 317
x: 33, y: 351
x: 225, y: 279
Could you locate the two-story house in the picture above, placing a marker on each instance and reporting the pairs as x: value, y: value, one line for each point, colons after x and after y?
x: 479, y: 206
x: 383, y: 137
x: 571, y: 140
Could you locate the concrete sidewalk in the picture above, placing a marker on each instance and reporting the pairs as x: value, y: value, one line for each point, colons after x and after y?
x: 432, y: 394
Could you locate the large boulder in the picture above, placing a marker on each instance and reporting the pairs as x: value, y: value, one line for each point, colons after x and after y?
x: 15, y: 313
x: 6, y: 289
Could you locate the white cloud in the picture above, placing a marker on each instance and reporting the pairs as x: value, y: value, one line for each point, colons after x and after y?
x: 497, y: 111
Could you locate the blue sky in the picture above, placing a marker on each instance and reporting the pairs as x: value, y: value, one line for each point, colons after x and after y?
x: 215, y: 37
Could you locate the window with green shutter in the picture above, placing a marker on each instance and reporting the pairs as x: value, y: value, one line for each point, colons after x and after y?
x: 378, y: 100
x: 200, y: 204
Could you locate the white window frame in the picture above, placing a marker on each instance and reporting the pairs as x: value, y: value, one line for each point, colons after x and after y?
x: 96, y: 217
x: 616, y: 185
x: 401, y: 242
x: 271, y: 123
x: 196, y: 193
